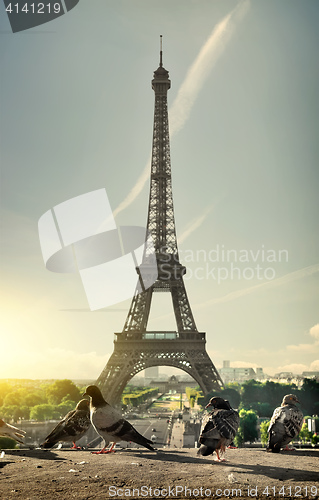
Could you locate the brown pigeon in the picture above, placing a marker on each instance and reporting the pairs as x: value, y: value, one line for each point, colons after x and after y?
x: 72, y: 427
x: 218, y: 428
x: 285, y: 424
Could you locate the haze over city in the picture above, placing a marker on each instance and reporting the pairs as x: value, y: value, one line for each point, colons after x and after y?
x: 77, y: 116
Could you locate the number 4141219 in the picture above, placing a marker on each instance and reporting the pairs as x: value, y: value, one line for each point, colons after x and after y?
x: 34, y: 8
x: 291, y: 491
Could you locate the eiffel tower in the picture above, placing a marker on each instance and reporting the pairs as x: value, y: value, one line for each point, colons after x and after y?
x: 135, y: 348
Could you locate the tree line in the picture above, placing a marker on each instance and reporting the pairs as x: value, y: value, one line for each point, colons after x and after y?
x: 36, y: 400
x: 264, y: 397
x: 51, y: 400
x: 257, y: 400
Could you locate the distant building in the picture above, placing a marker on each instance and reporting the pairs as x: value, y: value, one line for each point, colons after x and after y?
x: 314, y: 375
x: 173, y: 384
x: 229, y: 374
x: 151, y: 373
x: 284, y: 375
x: 259, y: 373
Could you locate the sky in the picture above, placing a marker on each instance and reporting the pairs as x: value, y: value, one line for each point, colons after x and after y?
x: 77, y: 116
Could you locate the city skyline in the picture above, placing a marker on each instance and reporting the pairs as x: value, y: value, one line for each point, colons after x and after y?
x: 77, y: 115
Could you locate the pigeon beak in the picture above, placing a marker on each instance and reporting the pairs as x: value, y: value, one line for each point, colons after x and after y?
x: 207, y: 406
x: 85, y: 394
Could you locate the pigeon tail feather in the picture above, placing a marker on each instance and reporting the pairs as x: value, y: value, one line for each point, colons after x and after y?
x: 205, y: 450
x: 137, y: 438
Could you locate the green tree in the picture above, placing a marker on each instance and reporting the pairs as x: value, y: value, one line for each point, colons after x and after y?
x: 247, y: 430
x: 13, y: 398
x: 262, y: 409
x: 61, y: 388
x: 24, y: 412
x: 7, y: 443
x: 191, y: 396
x: 233, y: 385
x: 232, y: 395
x: 304, y: 434
x: 4, y: 389
x: 44, y: 412
x: 314, y: 439
x: 64, y: 408
x: 309, y: 396
x: 11, y: 412
x: 192, y: 401
x: 264, y: 432
x: 251, y: 391
x: 255, y: 394
x: 35, y: 398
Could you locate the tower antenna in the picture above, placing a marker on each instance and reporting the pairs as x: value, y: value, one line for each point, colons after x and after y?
x: 161, y: 51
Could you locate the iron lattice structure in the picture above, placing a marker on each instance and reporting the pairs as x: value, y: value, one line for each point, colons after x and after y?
x: 135, y: 348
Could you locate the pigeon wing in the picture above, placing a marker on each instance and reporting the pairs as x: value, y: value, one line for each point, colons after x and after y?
x: 286, y: 420
x: 285, y: 424
x: 8, y: 430
x: 71, y: 428
x: 276, y: 416
x: 105, y: 417
x: 58, y: 433
x: 78, y: 423
x: 292, y: 420
x: 220, y: 424
x: 110, y: 424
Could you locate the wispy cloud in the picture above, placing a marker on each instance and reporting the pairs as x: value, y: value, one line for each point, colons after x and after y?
x: 196, y: 223
x: 136, y: 189
x: 203, y: 65
x: 308, y: 348
x: 304, y: 348
x: 192, y: 85
x: 283, y: 280
x: 314, y: 332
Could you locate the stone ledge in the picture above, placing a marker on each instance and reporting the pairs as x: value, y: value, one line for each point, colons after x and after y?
x: 60, y: 474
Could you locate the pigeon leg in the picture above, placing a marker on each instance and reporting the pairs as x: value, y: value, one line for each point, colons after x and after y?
x: 232, y: 446
x: 218, y: 459
x: 288, y: 449
x: 104, y: 451
x: 74, y: 447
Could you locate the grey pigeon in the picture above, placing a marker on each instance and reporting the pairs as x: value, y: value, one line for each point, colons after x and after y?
x: 110, y: 424
x: 72, y: 427
x: 7, y: 430
x: 218, y: 428
x: 285, y: 424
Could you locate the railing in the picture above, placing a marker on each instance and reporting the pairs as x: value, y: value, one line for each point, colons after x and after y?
x: 159, y: 335
x: 123, y: 336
